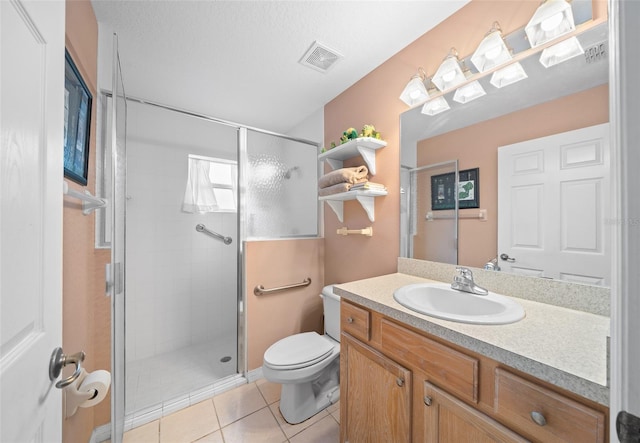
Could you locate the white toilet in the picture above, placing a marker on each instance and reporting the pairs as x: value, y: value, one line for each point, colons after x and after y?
x: 308, y: 366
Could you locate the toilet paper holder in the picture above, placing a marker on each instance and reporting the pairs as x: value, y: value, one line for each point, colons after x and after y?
x: 59, y: 360
x: 73, y: 397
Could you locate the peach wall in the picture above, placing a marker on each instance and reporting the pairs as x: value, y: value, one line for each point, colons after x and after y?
x: 86, y: 312
x: 477, y: 146
x: 274, y: 316
x: 374, y: 100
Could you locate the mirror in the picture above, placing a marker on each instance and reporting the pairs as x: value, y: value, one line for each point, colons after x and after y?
x: 564, y: 97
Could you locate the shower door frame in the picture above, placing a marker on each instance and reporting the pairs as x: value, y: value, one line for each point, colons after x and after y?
x: 243, y: 165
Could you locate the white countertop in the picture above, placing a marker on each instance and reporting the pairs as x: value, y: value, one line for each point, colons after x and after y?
x: 565, y: 347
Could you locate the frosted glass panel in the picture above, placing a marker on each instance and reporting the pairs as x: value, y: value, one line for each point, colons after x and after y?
x: 281, y: 183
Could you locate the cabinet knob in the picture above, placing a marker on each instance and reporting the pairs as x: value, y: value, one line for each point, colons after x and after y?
x: 538, y: 418
x: 400, y: 381
x: 349, y: 319
x: 428, y: 400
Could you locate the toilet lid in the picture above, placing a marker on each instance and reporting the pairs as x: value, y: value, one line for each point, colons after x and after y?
x: 298, y: 350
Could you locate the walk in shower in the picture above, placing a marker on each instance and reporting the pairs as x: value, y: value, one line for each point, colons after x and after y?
x: 197, y: 188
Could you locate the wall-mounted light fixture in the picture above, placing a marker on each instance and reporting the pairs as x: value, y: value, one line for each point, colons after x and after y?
x: 492, y: 50
x: 415, y: 92
x: 561, y: 52
x: 449, y: 74
x: 468, y: 92
x: 508, y: 75
x: 552, y: 19
x: 551, y: 22
x: 435, y: 105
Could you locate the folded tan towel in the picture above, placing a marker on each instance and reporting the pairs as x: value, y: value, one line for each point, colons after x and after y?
x: 344, y: 175
x: 334, y: 189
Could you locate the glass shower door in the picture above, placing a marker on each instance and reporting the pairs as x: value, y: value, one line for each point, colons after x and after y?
x: 115, y: 273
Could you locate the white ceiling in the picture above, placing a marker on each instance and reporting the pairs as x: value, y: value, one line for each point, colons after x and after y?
x: 239, y: 60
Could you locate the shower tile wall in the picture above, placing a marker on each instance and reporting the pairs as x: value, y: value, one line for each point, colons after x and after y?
x: 181, y: 284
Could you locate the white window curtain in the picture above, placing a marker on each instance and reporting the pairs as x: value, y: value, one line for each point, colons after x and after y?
x: 199, y: 196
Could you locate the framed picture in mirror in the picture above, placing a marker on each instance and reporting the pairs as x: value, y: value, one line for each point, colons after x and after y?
x: 77, y: 122
x: 442, y: 190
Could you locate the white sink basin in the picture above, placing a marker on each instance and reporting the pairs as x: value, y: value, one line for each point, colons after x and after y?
x: 439, y: 300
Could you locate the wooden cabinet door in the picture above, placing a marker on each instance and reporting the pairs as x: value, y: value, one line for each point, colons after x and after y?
x: 376, y: 395
x: 449, y: 420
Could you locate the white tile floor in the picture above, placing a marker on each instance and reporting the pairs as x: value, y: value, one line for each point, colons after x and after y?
x: 248, y: 413
x: 154, y: 382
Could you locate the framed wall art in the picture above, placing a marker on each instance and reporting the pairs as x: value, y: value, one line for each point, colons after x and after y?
x: 443, y: 185
x: 77, y: 122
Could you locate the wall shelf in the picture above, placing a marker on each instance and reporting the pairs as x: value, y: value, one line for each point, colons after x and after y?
x: 365, y: 198
x: 364, y: 146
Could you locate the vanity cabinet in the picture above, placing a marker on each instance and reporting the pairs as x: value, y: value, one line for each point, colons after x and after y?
x: 401, y: 384
x: 376, y: 390
x: 376, y: 394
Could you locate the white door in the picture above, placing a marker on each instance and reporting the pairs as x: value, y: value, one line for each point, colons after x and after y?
x: 554, y: 206
x: 31, y: 134
x: 624, y: 88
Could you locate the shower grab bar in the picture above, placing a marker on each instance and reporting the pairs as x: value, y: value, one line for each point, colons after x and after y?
x: 202, y: 228
x: 260, y: 290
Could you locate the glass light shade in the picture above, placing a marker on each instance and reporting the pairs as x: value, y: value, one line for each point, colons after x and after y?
x: 491, y: 52
x: 469, y: 92
x: 552, y: 19
x: 561, y: 52
x: 508, y: 75
x: 449, y: 74
x: 415, y: 92
x: 435, y: 106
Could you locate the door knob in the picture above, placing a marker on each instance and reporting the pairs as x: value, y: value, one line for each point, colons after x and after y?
x: 506, y: 257
x: 59, y: 360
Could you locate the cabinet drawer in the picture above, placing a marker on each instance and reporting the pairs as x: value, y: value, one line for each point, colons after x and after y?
x: 448, y: 368
x: 355, y: 321
x: 544, y: 415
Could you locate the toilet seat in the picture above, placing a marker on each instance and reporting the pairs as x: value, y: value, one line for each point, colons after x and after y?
x: 298, y: 351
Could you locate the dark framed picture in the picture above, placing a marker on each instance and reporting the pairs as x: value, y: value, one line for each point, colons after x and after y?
x: 443, y: 185
x: 77, y: 122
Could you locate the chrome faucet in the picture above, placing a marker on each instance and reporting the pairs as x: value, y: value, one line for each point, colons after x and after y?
x: 492, y: 265
x: 463, y: 281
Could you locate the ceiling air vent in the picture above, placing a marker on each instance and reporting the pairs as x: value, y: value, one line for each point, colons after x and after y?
x: 320, y: 57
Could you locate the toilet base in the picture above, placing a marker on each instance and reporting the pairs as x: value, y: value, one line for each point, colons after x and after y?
x: 300, y: 401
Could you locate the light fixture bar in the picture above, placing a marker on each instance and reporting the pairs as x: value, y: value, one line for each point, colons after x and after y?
x: 519, y: 50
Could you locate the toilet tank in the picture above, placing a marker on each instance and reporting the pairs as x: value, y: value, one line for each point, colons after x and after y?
x: 331, y: 304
